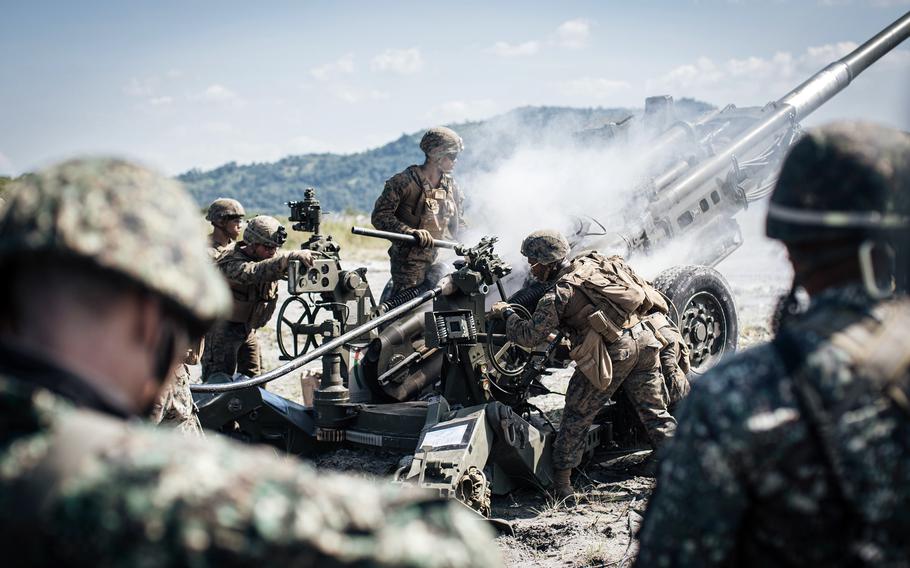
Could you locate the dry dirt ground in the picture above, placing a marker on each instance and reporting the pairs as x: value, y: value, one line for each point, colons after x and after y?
x: 600, y: 529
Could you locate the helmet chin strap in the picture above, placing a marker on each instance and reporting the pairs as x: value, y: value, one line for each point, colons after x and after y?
x: 876, y: 286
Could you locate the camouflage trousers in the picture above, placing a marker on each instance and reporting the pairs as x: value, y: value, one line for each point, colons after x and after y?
x: 635, y: 365
x: 409, y: 273
x: 175, y: 405
x: 230, y: 348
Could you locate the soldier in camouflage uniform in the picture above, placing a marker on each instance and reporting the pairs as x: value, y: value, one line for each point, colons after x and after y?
x: 253, y: 269
x: 423, y: 201
x: 594, y: 301
x: 175, y: 406
x: 674, y: 355
x: 226, y: 216
x: 797, y: 452
x: 106, y: 278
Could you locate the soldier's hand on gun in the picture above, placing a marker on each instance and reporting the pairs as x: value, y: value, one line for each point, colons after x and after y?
x: 497, y: 309
x: 304, y: 256
x: 424, y: 238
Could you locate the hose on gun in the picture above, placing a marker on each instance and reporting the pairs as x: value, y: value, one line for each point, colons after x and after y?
x: 530, y: 295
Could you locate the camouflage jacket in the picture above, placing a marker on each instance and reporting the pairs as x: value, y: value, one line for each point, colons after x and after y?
x: 80, y: 483
x: 216, y: 250
x: 254, y: 285
x: 175, y: 407
x: 566, y: 306
x: 408, y: 202
x: 747, y: 481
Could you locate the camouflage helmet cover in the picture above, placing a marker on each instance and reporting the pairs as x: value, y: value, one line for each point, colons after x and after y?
x: 846, y: 179
x: 121, y: 217
x: 265, y: 230
x: 441, y: 140
x: 545, y: 246
x: 224, y: 207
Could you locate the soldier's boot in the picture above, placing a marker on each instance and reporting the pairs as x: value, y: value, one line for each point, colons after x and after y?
x: 562, y: 485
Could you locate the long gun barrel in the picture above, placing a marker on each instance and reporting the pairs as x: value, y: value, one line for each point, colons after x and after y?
x: 401, y: 237
x: 790, y: 109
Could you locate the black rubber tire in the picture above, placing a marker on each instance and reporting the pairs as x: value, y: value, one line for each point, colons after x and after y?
x: 702, y: 298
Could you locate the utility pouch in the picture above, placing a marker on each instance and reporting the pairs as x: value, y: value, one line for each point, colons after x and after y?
x: 600, y: 323
x: 593, y: 360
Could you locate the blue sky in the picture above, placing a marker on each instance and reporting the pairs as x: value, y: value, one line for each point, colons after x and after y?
x: 199, y: 83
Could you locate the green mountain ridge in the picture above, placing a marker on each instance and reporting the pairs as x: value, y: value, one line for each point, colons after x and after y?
x: 351, y: 182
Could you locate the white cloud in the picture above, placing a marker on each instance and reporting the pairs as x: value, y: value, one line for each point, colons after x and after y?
x: 161, y: 101
x: 218, y: 94
x: 460, y: 111
x: 401, y: 61
x: 592, y: 87
x: 758, y: 77
x: 573, y: 33
x: 505, y: 49
x: 218, y: 127
x: 342, y: 66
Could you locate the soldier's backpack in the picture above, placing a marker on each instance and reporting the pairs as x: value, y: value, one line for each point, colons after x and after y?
x: 616, y: 292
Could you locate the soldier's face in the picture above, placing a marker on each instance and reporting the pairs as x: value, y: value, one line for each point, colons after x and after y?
x: 447, y: 162
x: 539, y: 270
x: 232, y: 227
x: 264, y: 252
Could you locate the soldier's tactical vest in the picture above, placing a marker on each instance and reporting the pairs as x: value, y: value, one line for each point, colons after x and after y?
x: 422, y: 207
x: 610, y: 295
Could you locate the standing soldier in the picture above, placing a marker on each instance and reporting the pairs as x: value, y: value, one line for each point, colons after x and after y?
x: 253, y: 269
x: 797, y: 452
x: 423, y: 201
x: 106, y: 279
x: 593, y: 300
x: 226, y: 216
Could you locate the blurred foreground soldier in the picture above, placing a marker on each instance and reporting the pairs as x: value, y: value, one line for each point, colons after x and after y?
x: 797, y: 453
x: 253, y: 269
x: 423, y: 201
x: 226, y: 216
x: 593, y: 300
x: 105, y: 279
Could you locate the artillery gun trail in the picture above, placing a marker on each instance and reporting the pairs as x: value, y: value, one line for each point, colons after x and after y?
x: 444, y: 388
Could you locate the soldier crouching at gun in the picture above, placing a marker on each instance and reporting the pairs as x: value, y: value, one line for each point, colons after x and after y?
x: 595, y: 301
x: 425, y: 202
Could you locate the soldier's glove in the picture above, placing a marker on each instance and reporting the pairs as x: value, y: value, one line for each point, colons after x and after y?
x: 304, y: 256
x: 498, y: 310
x: 424, y: 238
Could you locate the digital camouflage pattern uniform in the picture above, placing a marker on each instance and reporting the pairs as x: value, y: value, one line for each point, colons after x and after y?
x: 674, y: 356
x: 744, y: 482
x: 797, y: 452
x: 409, y: 202
x: 631, y: 357
x: 79, y: 483
x: 216, y: 249
x: 231, y: 346
x: 84, y: 482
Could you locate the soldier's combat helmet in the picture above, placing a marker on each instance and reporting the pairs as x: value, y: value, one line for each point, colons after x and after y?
x: 843, y: 180
x: 265, y: 230
x: 119, y: 217
x: 545, y: 246
x: 441, y: 140
x: 224, y: 208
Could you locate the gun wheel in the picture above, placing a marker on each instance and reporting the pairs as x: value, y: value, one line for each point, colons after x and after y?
x: 704, y: 310
x: 295, y: 318
x: 474, y: 491
x: 507, y: 357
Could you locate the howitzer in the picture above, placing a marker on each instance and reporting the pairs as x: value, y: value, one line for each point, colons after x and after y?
x: 447, y: 390
x: 705, y: 171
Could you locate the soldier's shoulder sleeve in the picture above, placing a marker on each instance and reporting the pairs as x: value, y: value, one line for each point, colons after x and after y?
x: 386, y: 206
x: 543, y: 322
x: 239, y: 268
x: 147, y: 496
x: 711, y: 461
x: 460, y: 223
